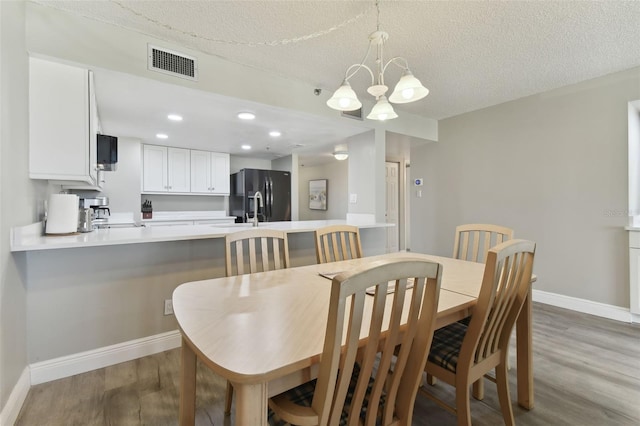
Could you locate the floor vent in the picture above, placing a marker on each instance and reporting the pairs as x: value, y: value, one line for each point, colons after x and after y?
x: 172, y: 63
x: 357, y: 114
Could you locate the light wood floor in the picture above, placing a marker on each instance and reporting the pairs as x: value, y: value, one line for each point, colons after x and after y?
x: 587, y: 372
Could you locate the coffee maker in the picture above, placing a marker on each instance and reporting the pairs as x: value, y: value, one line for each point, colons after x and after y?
x: 100, y: 209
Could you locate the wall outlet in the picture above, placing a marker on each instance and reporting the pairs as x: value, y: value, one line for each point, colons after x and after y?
x: 168, y: 307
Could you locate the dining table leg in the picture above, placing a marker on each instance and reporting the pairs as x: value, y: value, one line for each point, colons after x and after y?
x: 251, y: 404
x: 524, y: 341
x: 187, y: 385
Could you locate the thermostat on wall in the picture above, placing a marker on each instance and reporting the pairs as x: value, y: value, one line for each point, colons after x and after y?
x: 418, y: 182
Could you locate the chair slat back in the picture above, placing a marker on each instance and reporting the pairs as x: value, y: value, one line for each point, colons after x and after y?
x: 471, y: 238
x: 257, y: 250
x: 338, y: 242
x: 505, y: 285
x: 405, y: 318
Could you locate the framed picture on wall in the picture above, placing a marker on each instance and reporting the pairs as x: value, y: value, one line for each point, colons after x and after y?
x: 318, y: 194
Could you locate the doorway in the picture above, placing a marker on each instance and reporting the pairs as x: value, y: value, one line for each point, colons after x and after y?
x: 392, y: 209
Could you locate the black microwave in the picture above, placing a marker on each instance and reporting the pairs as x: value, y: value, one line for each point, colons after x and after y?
x: 107, y: 152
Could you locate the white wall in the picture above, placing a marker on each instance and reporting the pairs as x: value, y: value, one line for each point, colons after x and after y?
x: 122, y: 186
x: 19, y: 196
x: 337, y: 175
x: 550, y: 166
x: 238, y: 163
x: 89, y: 42
x: 363, y: 169
x: 633, y: 117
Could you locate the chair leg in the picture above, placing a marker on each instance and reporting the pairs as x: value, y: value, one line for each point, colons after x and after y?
x: 463, y: 407
x: 478, y: 389
x: 228, y: 399
x: 502, y: 382
x: 431, y: 379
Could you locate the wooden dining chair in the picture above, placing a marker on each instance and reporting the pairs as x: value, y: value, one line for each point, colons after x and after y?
x: 338, y: 242
x: 461, y: 354
x: 256, y: 250
x: 250, y: 251
x: 471, y: 237
x: 358, y: 382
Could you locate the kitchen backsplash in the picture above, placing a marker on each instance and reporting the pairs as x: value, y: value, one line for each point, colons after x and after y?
x: 185, y: 202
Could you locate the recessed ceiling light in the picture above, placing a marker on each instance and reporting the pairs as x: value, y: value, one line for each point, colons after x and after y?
x: 174, y: 117
x: 246, y: 115
x: 274, y: 133
x: 246, y: 147
x: 162, y: 136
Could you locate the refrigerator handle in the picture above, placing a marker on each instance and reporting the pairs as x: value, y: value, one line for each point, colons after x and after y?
x: 267, y: 213
x: 270, y: 197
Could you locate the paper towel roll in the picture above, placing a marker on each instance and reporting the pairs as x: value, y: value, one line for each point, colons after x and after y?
x: 62, y: 214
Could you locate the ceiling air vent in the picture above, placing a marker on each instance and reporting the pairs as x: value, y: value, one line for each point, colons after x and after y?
x: 357, y: 114
x: 172, y: 63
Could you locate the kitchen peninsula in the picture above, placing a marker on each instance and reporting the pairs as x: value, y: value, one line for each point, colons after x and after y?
x: 98, y: 298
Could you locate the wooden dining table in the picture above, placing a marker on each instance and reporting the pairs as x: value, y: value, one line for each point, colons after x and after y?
x: 264, y: 332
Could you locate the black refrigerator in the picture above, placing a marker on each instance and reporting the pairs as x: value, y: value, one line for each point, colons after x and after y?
x: 275, y: 187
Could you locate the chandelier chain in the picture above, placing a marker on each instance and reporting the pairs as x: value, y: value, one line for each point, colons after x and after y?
x: 250, y: 43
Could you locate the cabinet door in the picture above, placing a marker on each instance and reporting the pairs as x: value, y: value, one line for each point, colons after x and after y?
x: 179, y: 170
x: 154, y: 168
x: 59, y: 133
x: 200, y: 172
x: 220, y: 173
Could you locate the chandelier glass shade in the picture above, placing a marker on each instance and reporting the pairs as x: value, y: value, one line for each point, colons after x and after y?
x: 408, y: 89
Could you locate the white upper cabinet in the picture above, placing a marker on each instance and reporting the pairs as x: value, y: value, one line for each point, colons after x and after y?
x: 154, y: 168
x: 209, y: 172
x: 200, y: 171
x: 179, y: 170
x: 184, y: 171
x: 62, y: 123
x: 165, y: 169
x: 220, y: 173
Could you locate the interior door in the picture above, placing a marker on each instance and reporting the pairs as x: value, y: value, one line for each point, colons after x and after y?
x: 392, y: 214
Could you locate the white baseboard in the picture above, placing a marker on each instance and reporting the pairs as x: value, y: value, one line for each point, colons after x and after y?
x: 12, y: 408
x: 585, y: 306
x: 82, y: 362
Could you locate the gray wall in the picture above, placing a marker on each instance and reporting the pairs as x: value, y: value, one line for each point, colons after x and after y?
x: 18, y: 194
x: 337, y: 174
x: 81, y: 299
x: 550, y: 166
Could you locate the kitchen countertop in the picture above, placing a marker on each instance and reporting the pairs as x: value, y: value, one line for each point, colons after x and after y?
x: 30, y: 238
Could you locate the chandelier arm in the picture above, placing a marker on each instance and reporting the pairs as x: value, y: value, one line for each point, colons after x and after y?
x: 395, y: 62
x: 348, y: 76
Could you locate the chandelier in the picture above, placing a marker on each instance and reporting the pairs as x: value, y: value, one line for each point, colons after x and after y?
x: 408, y: 89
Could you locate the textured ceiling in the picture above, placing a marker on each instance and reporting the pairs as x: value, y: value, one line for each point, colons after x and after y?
x: 470, y: 54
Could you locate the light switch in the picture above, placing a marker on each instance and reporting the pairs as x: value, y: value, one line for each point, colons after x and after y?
x: 419, y: 193
x: 353, y: 198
